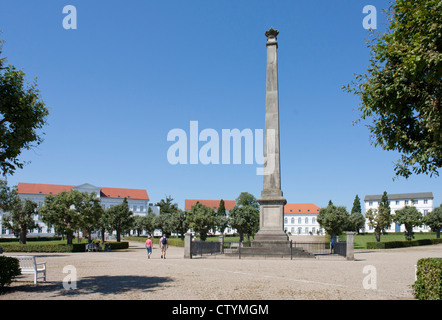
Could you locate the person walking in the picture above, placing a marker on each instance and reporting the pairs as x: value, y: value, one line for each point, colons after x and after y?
x: 149, y: 247
x: 164, y: 244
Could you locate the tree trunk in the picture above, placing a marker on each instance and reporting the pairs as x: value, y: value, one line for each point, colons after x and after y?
x: 23, y: 236
x: 378, y: 236
x: 69, y: 237
x: 118, y: 235
x: 438, y: 233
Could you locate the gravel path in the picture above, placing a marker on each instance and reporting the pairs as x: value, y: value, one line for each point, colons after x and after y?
x: 130, y: 275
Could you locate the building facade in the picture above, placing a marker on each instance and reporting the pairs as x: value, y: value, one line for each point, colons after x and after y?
x: 423, y: 201
x: 301, y: 219
x: 138, y: 200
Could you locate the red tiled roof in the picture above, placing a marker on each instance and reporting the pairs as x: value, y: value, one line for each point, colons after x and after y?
x: 46, y: 189
x: 228, y: 204
x: 301, y: 208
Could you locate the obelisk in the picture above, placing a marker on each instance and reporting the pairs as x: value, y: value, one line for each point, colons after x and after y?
x: 271, y: 223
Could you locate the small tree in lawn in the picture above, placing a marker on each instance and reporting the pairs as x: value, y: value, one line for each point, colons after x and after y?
x: 201, y: 219
x: 90, y: 211
x: 410, y: 217
x: 380, y: 219
x: 222, y: 221
x: 148, y: 222
x: 62, y: 212
x: 119, y: 218
x: 21, y: 218
x: 433, y: 219
x: 245, y: 219
x: 356, y: 221
x: 333, y: 219
x: 179, y: 222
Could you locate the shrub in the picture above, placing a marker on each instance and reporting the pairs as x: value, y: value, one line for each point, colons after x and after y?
x: 9, y: 269
x: 428, y: 285
x: 402, y: 244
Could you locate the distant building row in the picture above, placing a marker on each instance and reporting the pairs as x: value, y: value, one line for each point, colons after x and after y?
x: 299, y: 218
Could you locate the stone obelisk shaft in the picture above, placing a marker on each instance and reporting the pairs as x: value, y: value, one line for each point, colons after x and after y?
x: 271, y: 200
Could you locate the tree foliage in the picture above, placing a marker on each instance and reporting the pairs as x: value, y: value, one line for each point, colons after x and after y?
x: 201, y: 219
x: 433, y: 219
x: 410, y: 217
x: 402, y: 90
x: 21, y: 218
x: 22, y: 115
x: 119, y: 219
x: 245, y: 219
x: 333, y: 219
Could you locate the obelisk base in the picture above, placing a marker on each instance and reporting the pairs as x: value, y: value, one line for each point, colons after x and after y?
x: 271, y: 220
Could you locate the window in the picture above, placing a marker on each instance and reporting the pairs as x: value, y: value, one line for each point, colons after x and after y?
x: 306, y: 230
x: 313, y: 230
x: 293, y: 220
x: 370, y: 203
x: 135, y: 208
x: 425, y: 212
x: 425, y: 201
x: 416, y: 201
x: 397, y: 202
x: 141, y: 208
x: 299, y: 230
x: 293, y: 230
x: 285, y: 221
x: 306, y: 220
x: 299, y: 221
x: 313, y: 221
x: 406, y: 202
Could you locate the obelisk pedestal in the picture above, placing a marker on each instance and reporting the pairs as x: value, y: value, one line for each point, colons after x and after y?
x: 271, y: 229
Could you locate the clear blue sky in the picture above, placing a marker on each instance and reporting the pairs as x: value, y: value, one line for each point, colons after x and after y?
x: 134, y: 70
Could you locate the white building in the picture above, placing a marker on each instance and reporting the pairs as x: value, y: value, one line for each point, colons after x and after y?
x: 423, y: 201
x: 137, y: 199
x: 301, y: 219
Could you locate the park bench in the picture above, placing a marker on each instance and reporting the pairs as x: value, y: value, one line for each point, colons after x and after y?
x: 29, y: 265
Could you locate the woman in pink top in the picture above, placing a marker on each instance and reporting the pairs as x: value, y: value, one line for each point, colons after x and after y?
x: 149, y: 247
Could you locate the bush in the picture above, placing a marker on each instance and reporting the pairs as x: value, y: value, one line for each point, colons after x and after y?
x: 118, y: 245
x: 402, y: 244
x: 428, y: 285
x: 9, y: 269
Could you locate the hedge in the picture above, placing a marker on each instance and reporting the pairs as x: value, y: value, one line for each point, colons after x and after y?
x: 75, y: 247
x: 172, y: 241
x: 428, y: 285
x: 9, y: 269
x: 6, y: 240
x: 402, y: 244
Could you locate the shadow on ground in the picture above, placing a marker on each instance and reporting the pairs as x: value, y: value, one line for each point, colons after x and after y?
x: 103, y: 285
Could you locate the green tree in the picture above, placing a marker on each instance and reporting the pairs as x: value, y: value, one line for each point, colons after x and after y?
x: 410, y: 217
x: 433, y: 219
x: 247, y: 199
x: 148, y: 222
x: 61, y: 212
x: 356, y: 205
x: 119, y: 219
x: 222, y: 221
x: 245, y: 219
x: 356, y: 221
x: 401, y: 92
x: 201, y: 219
x: 179, y: 222
x: 90, y: 213
x: 21, y: 218
x: 333, y: 219
x: 164, y: 220
x: 22, y: 115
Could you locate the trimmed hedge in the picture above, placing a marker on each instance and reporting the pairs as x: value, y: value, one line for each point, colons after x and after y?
x: 6, y: 240
x: 402, y: 244
x: 75, y: 247
x: 9, y: 269
x: 172, y: 241
x: 428, y: 285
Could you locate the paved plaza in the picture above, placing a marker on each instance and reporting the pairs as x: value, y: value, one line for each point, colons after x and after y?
x: 129, y: 275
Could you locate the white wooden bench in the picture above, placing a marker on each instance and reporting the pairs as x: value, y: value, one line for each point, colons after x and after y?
x: 29, y: 265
